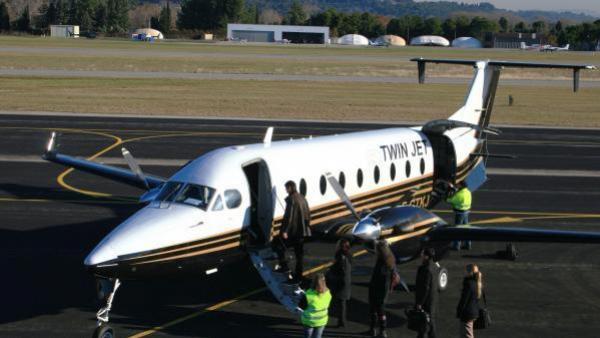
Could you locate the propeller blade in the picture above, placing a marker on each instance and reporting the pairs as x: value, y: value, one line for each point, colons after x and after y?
x: 342, y: 194
x: 133, y: 165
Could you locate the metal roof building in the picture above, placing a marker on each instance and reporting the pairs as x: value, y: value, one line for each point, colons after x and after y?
x: 277, y: 33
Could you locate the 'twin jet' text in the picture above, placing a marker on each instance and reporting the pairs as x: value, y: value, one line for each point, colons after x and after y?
x: 402, y: 150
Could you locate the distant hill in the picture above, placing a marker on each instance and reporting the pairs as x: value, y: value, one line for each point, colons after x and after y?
x: 394, y: 8
x: 439, y: 8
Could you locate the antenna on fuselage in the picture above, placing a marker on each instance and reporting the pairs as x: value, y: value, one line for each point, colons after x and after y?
x: 268, y: 137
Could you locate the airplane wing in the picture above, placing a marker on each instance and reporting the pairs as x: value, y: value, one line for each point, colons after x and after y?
x: 106, y: 171
x: 497, y: 234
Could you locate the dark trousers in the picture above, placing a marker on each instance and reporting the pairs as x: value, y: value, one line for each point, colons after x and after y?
x: 341, y: 310
x: 298, y: 245
x: 430, y: 330
x: 461, y: 218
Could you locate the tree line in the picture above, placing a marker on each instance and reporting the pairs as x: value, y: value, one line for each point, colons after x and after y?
x: 111, y: 16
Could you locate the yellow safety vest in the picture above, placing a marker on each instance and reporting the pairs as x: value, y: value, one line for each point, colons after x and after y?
x: 317, y: 306
x: 461, y: 200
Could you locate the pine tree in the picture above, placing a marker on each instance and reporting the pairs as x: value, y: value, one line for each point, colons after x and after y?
x: 164, y: 19
x: 4, y: 18
x: 23, y: 23
x: 296, y: 14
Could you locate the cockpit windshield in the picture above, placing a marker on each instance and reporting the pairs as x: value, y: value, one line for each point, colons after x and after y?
x: 185, y: 193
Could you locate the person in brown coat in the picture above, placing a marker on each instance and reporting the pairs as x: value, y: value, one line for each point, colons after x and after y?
x: 295, y: 227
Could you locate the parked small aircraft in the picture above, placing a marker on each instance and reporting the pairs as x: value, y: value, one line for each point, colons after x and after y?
x: 226, y: 203
x: 550, y: 48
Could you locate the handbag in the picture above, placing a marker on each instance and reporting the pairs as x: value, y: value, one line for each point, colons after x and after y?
x: 418, y: 320
x: 484, y: 320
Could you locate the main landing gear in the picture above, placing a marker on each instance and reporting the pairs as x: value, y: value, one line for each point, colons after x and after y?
x: 106, y: 290
x: 442, y: 277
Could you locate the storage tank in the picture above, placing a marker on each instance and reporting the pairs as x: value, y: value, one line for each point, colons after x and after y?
x: 466, y: 42
x: 149, y: 33
x: 429, y: 40
x: 392, y: 40
x: 353, y: 39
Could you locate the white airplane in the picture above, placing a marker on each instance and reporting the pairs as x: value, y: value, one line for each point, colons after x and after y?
x: 550, y: 48
x: 228, y: 202
x: 525, y: 46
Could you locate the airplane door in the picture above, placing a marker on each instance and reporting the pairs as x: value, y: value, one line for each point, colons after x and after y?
x: 262, y: 203
x: 444, y: 163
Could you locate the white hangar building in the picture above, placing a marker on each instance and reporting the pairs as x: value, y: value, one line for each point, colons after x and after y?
x: 277, y: 33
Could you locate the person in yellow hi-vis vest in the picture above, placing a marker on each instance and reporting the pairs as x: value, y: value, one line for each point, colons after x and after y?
x: 461, y: 204
x: 315, y: 304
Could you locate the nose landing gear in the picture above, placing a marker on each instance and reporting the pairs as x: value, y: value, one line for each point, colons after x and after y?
x: 104, y: 330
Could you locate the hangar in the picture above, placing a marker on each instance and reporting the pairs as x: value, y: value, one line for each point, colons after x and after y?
x: 277, y: 33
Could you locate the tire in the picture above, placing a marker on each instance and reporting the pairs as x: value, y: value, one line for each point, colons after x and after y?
x: 442, y: 279
x: 104, y: 331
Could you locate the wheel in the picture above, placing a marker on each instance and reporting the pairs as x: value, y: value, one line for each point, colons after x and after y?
x: 104, y: 331
x: 442, y: 279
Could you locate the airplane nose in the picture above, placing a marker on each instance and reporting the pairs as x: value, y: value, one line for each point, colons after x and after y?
x: 367, y: 229
x: 101, y: 254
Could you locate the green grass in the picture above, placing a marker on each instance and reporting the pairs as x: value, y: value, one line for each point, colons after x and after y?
x: 181, y: 56
x: 293, y: 99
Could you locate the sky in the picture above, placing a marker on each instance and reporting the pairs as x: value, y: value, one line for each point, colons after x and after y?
x: 576, y: 6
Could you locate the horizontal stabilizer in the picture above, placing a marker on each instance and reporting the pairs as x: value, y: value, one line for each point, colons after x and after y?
x: 507, y: 64
x: 511, y: 235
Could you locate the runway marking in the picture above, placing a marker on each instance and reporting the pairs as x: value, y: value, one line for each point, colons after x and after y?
x: 225, y: 303
x: 48, y: 200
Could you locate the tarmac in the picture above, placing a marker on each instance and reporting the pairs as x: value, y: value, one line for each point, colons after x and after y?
x: 49, y: 222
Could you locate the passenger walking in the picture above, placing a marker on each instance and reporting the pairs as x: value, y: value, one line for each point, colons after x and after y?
x: 295, y: 227
x: 339, y: 278
x: 468, y: 307
x: 461, y: 204
x: 385, y: 277
x: 426, y: 293
x: 315, y: 304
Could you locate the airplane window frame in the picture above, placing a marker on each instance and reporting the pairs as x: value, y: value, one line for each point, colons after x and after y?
x: 237, y: 201
x: 303, y: 187
x: 323, y: 185
x: 392, y: 171
x: 218, y: 204
x: 359, y: 178
x: 342, y: 179
x: 407, y: 168
x: 422, y: 166
x: 376, y: 174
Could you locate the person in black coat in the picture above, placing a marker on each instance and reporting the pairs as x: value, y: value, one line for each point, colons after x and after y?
x: 384, y: 279
x: 468, y: 306
x: 426, y: 292
x: 339, y: 278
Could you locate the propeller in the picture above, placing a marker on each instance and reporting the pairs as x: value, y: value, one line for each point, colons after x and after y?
x: 366, y: 228
x: 134, y: 166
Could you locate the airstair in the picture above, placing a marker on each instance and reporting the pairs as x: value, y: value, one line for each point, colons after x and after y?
x: 288, y: 295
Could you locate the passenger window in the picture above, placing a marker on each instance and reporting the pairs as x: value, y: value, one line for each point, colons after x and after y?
x: 422, y: 166
x: 342, y: 179
x: 233, y: 198
x: 376, y: 174
x: 303, y: 187
x: 407, y: 168
x: 392, y: 171
x: 359, y: 178
x: 218, y: 204
x: 323, y: 185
